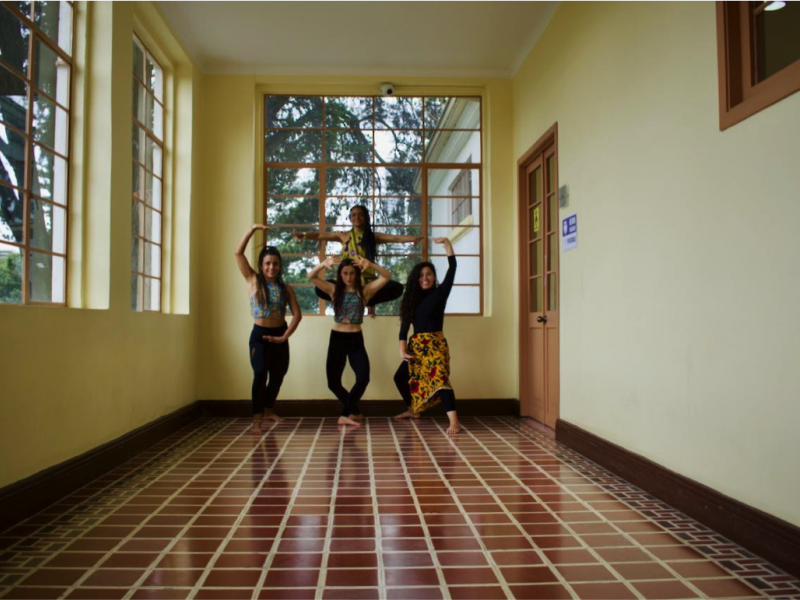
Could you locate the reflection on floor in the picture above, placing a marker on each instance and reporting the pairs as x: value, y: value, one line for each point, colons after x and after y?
x: 390, y: 510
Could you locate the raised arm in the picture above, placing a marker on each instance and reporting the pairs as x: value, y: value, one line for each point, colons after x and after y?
x: 241, y: 260
x: 385, y: 238
x: 326, y: 236
x: 314, y: 275
x: 373, y: 286
x: 447, y: 284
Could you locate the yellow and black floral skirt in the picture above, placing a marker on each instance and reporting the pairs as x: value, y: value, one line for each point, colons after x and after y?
x: 429, y: 372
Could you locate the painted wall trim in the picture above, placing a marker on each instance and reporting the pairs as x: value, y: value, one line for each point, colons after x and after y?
x: 770, y: 537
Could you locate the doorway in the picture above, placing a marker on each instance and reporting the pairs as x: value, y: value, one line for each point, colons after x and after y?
x: 539, y: 282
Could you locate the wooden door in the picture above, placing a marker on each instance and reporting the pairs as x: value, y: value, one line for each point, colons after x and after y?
x: 539, y: 298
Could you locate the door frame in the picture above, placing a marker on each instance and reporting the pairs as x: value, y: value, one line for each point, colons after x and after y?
x: 546, y: 140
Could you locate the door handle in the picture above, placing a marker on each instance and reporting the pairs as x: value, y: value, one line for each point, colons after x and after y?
x: 541, y: 319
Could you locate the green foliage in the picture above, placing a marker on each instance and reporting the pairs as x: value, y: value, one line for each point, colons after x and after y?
x: 11, y: 278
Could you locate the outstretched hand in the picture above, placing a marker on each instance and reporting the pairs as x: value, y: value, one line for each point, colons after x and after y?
x: 259, y: 226
x: 440, y: 240
x: 362, y: 263
x: 331, y: 262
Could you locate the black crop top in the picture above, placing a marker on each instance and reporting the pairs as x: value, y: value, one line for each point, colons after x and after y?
x: 429, y: 314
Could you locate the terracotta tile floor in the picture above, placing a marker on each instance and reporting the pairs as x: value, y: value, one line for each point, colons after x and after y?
x: 393, y: 510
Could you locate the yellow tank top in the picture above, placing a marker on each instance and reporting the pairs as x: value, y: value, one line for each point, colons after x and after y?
x: 354, y: 248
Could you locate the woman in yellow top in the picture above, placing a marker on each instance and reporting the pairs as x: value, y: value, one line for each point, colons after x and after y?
x: 361, y: 241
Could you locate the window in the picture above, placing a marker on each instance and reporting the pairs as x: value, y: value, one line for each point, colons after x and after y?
x: 399, y: 156
x: 35, y: 92
x: 759, y: 56
x: 461, y: 203
x: 148, y: 178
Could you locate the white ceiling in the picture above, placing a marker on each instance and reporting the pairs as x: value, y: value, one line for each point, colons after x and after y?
x: 455, y: 39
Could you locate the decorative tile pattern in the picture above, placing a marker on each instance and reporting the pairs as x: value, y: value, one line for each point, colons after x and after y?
x: 390, y: 510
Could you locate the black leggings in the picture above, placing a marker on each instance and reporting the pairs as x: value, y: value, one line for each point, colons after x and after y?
x: 391, y: 291
x: 347, y: 345
x: 269, y: 361
x: 448, y: 397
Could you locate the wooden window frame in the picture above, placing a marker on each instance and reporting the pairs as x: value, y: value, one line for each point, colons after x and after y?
x: 458, y: 201
x: 739, y: 95
x: 423, y: 165
x: 26, y: 249
x: 148, y: 133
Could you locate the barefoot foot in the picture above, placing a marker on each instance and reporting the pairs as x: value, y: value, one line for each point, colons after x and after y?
x: 348, y: 421
x: 358, y: 418
x: 257, y: 419
x: 271, y: 416
x: 455, y: 426
x: 406, y: 415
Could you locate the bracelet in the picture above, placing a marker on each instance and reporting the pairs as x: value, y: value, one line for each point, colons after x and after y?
x: 305, y: 233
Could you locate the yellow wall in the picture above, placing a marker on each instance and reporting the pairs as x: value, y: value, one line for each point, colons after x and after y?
x: 75, y: 378
x: 679, y: 320
x: 230, y: 201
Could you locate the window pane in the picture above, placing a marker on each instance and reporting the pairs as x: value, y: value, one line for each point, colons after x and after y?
x: 152, y: 225
x: 399, y: 266
x: 294, y: 146
x: 137, y: 219
x: 154, y: 77
x: 152, y: 294
x: 337, y: 210
x: 348, y: 146
x: 447, y: 183
x: 10, y: 274
x: 137, y: 255
x: 50, y: 124
x: 155, y: 117
x: 398, y: 181
x: 777, y: 39
x: 468, y: 270
x: 138, y: 143
x: 464, y: 299
x: 152, y: 190
x: 153, y: 154
x: 452, y: 113
x: 397, y: 211
x: 398, y: 146
x: 293, y: 182
x: 287, y: 244
x: 138, y: 59
x: 349, y: 181
x: 465, y: 240
x: 49, y: 176
x: 13, y: 99
x: 536, y: 304
x: 296, y: 211
x: 46, y: 277
x: 454, y: 211
x: 55, y: 19
x: 12, y: 157
x: 453, y: 146
x: 307, y: 299
x: 48, y: 227
x: 152, y: 259
x: 16, y: 37
x: 294, y: 111
x: 11, y: 219
x: 137, y: 291
x: 348, y: 112
x: 52, y: 74
x: 295, y: 268
x: 398, y: 113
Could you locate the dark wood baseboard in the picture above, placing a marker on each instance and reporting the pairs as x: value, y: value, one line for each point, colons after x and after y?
x: 24, y: 498
x: 370, y: 408
x: 770, y: 537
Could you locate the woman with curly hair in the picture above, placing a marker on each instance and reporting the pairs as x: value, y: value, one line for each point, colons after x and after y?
x: 347, y: 341
x: 423, y: 378
x: 269, y: 339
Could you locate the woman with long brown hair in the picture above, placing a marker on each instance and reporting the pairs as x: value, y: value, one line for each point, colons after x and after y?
x: 423, y: 378
x: 269, y: 339
x: 349, y: 299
